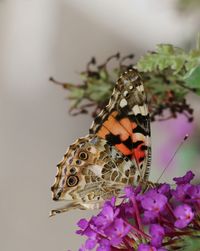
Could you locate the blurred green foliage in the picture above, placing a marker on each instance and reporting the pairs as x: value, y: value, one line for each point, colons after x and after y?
x: 169, y: 74
x: 192, y: 243
x: 185, y: 5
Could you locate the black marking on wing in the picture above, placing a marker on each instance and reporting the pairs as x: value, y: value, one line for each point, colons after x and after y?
x: 113, y: 139
x: 143, y: 147
x: 141, y: 159
x: 137, y: 143
x: 141, y: 130
x: 128, y: 142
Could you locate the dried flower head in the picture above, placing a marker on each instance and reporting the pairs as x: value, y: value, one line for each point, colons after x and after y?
x: 169, y: 74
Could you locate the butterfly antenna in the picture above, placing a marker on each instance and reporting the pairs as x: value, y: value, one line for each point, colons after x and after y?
x: 170, y: 161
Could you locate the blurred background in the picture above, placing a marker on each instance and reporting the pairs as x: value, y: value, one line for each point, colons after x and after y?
x: 43, y: 38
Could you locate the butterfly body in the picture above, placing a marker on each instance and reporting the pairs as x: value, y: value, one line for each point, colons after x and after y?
x: 115, y: 154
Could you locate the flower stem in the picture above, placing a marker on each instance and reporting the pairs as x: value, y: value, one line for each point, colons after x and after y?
x: 138, y: 231
x: 136, y: 212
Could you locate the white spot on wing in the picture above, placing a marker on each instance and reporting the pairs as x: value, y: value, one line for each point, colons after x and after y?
x: 136, y: 109
x: 140, y: 110
x: 93, y: 150
x: 96, y: 169
x: 143, y: 110
x: 123, y: 103
x: 140, y: 88
x: 125, y: 93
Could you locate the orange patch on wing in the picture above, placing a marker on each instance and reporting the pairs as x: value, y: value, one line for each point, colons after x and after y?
x: 133, y: 125
x: 138, y: 154
x: 114, y: 127
x: 123, y: 149
x: 125, y: 122
x: 103, y: 132
x: 123, y: 128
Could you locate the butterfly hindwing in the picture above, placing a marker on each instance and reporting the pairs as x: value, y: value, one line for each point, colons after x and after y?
x: 125, y: 121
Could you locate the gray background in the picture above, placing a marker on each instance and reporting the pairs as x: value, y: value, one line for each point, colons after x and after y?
x: 41, y: 38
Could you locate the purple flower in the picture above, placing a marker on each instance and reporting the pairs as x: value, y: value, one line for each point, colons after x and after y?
x: 184, y: 216
x: 106, y: 216
x: 154, y: 201
x: 83, y: 224
x: 157, y: 234
x: 90, y: 243
x: 104, y: 245
x: 180, y: 193
x: 126, y: 210
x: 164, y: 189
x: 131, y: 191
x: 194, y: 192
x: 150, y: 217
x: 117, y: 231
x: 86, y: 228
x: 111, y: 202
x: 185, y: 179
x: 146, y: 247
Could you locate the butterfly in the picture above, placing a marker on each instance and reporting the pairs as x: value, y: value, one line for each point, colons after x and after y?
x: 115, y: 153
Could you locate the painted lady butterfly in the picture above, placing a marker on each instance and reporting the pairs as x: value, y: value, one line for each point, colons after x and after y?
x: 116, y: 152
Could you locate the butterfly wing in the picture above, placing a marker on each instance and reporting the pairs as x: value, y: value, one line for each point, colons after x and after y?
x: 125, y: 121
x: 116, y: 152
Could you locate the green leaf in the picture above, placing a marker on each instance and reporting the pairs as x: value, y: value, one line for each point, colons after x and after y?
x: 103, y: 74
x: 178, y: 63
x: 76, y: 93
x: 98, y: 90
x: 166, y: 49
x: 193, y: 80
x: 83, y: 76
x: 166, y: 56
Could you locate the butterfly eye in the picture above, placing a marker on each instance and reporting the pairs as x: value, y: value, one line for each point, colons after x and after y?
x: 83, y: 155
x: 72, y: 181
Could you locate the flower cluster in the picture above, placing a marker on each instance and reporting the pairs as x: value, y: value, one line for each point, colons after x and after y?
x: 158, y: 219
x: 106, y: 229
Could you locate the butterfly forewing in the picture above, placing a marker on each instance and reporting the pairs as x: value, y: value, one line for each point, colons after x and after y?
x: 125, y: 122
